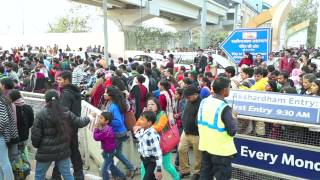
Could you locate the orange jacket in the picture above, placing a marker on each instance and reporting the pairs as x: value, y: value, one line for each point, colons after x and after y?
x: 160, y: 124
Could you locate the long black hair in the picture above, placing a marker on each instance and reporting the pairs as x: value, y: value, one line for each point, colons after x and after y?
x: 117, y: 98
x: 117, y: 81
x: 58, y: 115
x: 165, y: 84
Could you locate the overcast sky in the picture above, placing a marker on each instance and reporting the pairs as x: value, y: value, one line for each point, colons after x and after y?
x: 34, y: 16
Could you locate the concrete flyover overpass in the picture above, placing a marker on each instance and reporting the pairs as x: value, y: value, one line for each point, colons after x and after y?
x: 181, y: 14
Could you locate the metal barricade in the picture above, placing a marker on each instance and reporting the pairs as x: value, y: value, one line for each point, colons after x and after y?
x: 89, y: 146
x: 284, y: 133
x: 289, y: 134
x: 36, y: 101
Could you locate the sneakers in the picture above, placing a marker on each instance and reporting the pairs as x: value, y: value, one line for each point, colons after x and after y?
x: 183, y: 175
x: 195, y: 176
x: 132, y: 173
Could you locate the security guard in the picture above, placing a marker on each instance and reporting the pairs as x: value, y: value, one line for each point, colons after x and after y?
x: 217, y: 126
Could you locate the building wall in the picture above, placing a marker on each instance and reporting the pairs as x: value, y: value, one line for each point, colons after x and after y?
x: 300, y: 38
x: 74, y: 40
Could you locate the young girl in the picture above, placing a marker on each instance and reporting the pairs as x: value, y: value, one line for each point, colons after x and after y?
x: 103, y: 132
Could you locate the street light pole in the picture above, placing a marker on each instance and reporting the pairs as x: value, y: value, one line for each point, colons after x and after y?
x: 105, y: 31
x: 140, y: 12
x: 203, y: 24
x: 318, y: 28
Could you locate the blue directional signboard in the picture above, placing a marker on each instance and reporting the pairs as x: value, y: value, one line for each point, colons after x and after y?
x: 255, y: 41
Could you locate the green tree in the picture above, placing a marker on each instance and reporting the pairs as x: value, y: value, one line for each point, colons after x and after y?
x: 216, y: 37
x: 75, y: 21
x: 305, y: 9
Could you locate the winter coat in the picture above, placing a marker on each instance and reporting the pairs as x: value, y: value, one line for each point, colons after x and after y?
x: 45, y: 137
x: 25, y: 120
x: 71, y: 99
x: 189, y: 118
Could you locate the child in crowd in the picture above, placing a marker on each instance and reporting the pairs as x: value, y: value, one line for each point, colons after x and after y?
x: 179, y: 104
x: 149, y: 146
x: 103, y: 132
x: 178, y: 108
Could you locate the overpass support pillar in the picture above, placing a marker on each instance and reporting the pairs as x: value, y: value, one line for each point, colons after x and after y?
x: 203, y: 24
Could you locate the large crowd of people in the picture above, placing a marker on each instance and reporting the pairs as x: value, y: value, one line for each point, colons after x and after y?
x: 159, y: 101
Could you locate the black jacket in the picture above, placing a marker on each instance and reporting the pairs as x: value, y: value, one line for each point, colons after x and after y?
x: 200, y: 62
x: 25, y: 120
x: 189, y: 117
x: 71, y: 99
x: 44, y: 136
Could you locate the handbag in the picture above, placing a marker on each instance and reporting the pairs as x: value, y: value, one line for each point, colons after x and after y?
x: 170, y: 138
x: 21, y: 168
x: 129, y: 120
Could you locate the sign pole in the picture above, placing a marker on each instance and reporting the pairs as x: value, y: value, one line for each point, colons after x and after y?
x: 105, y: 31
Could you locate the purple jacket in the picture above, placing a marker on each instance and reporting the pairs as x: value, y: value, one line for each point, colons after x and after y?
x: 107, y: 138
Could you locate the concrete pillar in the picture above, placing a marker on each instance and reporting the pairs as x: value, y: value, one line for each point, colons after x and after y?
x: 235, y: 24
x: 105, y: 30
x: 318, y: 29
x: 203, y: 24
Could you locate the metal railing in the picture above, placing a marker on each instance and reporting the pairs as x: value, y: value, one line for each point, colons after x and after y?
x: 279, y: 132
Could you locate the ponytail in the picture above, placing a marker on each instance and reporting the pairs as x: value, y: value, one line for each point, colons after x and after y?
x: 58, y: 115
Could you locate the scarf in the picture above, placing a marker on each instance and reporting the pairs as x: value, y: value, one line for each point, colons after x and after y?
x: 169, y: 108
x: 19, y: 102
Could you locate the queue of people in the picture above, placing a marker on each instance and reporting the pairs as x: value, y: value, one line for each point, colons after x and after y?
x: 186, y: 106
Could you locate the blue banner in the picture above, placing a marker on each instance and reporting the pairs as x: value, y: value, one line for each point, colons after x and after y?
x: 288, y: 107
x: 255, y: 41
x: 278, y: 158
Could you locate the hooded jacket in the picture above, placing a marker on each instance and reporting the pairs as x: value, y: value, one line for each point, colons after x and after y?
x: 25, y: 118
x: 71, y: 99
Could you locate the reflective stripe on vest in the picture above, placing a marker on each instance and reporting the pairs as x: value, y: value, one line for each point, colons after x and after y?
x: 216, y: 117
x: 213, y: 137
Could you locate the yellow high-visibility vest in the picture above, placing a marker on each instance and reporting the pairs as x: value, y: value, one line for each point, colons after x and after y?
x: 213, y: 137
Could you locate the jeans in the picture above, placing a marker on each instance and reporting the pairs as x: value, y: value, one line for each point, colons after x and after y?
x: 13, y: 152
x: 107, y: 164
x: 215, y: 166
x: 5, y: 165
x: 76, y: 160
x: 64, y: 167
x: 167, y: 165
x: 120, y: 155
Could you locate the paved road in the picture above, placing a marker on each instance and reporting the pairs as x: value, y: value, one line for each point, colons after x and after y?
x: 94, y: 170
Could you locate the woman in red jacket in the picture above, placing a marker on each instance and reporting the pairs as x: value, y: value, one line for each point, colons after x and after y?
x: 247, y: 59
